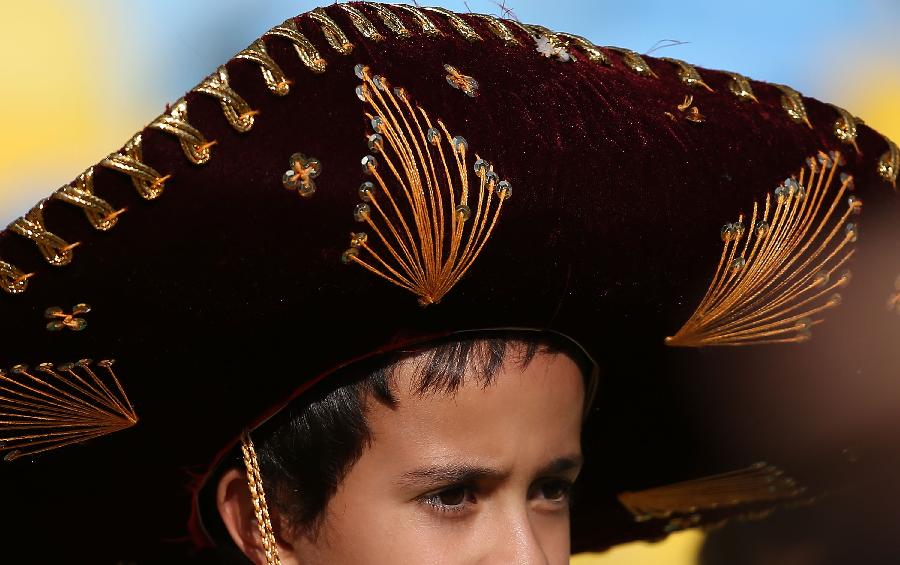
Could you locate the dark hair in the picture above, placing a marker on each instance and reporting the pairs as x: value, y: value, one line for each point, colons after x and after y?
x: 307, y: 448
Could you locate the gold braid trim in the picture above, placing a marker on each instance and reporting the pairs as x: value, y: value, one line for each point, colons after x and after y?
x: 390, y: 19
x: 687, y: 74
x: 98, y: 211
x: 361, y: 23
x: 793, y: 104
x: 634, y: 62
x: 308, y: 54
x: 428, y: 27
x: 593, y: 53
x: 271, y: 72
x: 174, y: 122
x: 739, y: 85
x: 258, y: 498
x: 460, y: 25
x: 333, y: 34
x: 12, y: 280
x: 236, y: 110
x: 148, y: 183
x: 772, y: 288
x: 845, y: 127
x: 889, y: 163
x: 56, y: 251
x: 498, y: 28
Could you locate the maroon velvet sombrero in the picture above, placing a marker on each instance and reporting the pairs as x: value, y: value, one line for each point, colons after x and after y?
x: 693, y: 230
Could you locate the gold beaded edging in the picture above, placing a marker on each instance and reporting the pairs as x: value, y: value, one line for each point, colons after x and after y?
x: 150, y: 184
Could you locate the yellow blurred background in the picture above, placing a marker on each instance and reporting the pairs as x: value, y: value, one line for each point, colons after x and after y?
x: 78, y: 79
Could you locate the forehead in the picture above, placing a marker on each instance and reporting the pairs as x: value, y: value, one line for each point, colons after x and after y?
x: 522, y: 413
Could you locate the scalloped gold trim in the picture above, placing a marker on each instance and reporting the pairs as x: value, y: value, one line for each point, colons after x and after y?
x: 333, y: 33
x: 271, y: 72
x: 54, y: 249
x: 498, y: 28
x: 889, y: 163
x: 129, y: 161
x: 460, y: 25
x: 235, y: 108
x: 428, y: 27
x: 593, y: 52
x: 195, y: 146
x: 845, y: 127
x: 362, y: 24
x: 99, y: 213
x: 12, y: 280
x: 792, y: 103
x: 308, y: 54
x: 739, y: 85
x: 687, y: 73
x: 634, y: 62
x: 390, y: 19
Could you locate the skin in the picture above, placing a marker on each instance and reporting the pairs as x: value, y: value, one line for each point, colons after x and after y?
x: 480, y: 476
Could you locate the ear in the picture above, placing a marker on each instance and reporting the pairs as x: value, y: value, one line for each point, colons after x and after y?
x: 237, y: 512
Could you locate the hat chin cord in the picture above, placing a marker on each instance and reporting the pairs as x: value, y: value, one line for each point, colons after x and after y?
x: 258, y: 497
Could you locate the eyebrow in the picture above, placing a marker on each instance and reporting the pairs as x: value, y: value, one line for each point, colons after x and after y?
x: 456, y: 474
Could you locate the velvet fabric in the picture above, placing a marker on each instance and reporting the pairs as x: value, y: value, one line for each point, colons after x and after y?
x: 226, y: 296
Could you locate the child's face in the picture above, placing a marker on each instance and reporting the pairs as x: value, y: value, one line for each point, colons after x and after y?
x: 476, y: 477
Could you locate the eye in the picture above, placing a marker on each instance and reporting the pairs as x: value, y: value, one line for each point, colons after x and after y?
x: 553, y: 490
x: 452, y: 499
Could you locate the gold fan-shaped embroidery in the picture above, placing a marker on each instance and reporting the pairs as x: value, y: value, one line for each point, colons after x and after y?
x: 429, y: 224
x: 778, y: 275
x: 50, y: 407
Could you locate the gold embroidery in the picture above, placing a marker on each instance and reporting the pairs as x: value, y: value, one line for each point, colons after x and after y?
x: 308, y: 54
x: 361, y: 23
x: 12, y: 280
x: 770, y: 289
x: 793, y: 104
x: 129, y: 161
x: 459, y: 24
x: 271, y: 72
x: 59, y: 319
x: 690, y: 112
x: 333, y: 34
x: 428, y: 27
x: 889, y: 163
x: 845, y: 127
x: 739, y: 85
x: 55, y: 407
x: 448, y: 227
x: 98, y: 211
x: 687, y: 74
x: 390, y: 19
x: 56, y: 251
x: 258, y: 499
x: 498, y: 28
x: 595, y: 55
x: 755, y: 484
x: 236, y: 110
x: 174, y: 122
x: 460, y: 81
x: 634, y: 62
x: 301, y: 174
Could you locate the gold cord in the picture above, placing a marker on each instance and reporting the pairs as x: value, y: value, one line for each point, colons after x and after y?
x: 258, y: 497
